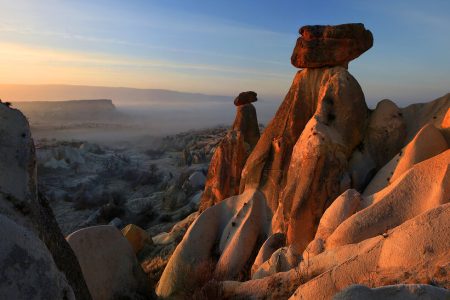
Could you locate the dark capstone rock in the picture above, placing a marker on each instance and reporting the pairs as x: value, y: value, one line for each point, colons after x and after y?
x: 326, y: 46
x: 245, y: 98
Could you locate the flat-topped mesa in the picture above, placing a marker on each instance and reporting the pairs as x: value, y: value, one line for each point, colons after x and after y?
x: 327, y: 46
x: 224, y: 173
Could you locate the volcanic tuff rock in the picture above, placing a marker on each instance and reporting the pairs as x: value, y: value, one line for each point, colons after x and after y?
x: 245, y: 98
x: 29, y: 218
x: 109, y: 264
x: 402, y: 254
x: 224, y: 173
x: 28, y: 270
x: 326, y: 46
x: 345, y: 185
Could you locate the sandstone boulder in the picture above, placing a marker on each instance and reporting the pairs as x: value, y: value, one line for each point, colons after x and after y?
x: 108, y: 263
x: 136, y: 236
x: 327, y: 46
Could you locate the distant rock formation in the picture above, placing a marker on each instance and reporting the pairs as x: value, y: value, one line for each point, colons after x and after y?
x: 67, y: 110
x: 224, y: 173
x: 333, y: 178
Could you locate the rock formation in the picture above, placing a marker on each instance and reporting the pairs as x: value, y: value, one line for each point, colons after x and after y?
x: 109, y: 263
x: 33, y: 232
x: 245, y: 98
x: 332, y: 196
x: 224, y: 173
x: 327, y: 46
x: 382, y: 260
x: 330, y: 189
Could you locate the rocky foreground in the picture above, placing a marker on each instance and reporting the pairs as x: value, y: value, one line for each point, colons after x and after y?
x: 330, y: 200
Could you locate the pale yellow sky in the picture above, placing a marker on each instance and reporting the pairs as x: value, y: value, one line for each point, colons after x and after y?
x: 36, y: 65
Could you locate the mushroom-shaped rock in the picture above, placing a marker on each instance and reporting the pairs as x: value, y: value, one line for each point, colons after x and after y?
x: 108, y: 263
x: 245, y: 98
x: 224, y: 173
x: 326, y: 46
x: 334, y: 102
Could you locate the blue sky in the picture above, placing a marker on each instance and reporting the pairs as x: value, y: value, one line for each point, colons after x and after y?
x: 219, y: 47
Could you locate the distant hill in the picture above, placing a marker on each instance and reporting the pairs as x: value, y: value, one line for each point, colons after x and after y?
x: 120, y: 95
x: 97, y: 109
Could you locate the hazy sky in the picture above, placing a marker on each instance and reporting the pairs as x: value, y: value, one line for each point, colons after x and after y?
x: 218, y: 47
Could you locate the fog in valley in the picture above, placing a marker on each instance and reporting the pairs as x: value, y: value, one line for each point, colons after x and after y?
x: 136, y: 116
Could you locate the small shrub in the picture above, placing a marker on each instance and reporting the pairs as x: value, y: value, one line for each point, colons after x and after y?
x: 109, y: 211
x: 154, y: 153
x: 211, y: 290
x: 165, y: 218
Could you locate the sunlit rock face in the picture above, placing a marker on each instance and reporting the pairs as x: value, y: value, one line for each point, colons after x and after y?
x: 325, y: 46
x: 224, y: 173
x: 327, y: 180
